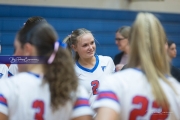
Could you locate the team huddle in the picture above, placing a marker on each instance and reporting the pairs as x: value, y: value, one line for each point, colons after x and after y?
x: 75, y: 83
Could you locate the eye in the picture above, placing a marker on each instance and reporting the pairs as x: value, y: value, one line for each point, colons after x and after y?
x: 84, y: 45
x: 92, y: 42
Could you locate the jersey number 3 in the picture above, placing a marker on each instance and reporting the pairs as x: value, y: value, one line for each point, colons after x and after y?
x: 95, y: 85
x: 39, y: 106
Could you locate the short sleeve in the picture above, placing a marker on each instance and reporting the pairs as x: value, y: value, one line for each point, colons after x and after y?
x: 3, y: 72
x: 81, y: 105
x: 109, y: 95
x: 6, y: 95
x: 110, y: 67
x: 13, y: 70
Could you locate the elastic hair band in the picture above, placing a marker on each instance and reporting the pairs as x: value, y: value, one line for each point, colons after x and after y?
x: 56, y: 47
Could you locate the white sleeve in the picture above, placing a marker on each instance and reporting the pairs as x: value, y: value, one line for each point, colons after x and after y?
x: 4, y: 72
x: 13, y: 69
x: 81, y: 105
x: 6, y: 95
x: 110, y: 66
x: 108, y: 96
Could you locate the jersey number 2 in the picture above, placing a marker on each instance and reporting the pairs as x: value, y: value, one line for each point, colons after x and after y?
x: 95, y: 85
x: 39, y: 106
x: 143, y: 102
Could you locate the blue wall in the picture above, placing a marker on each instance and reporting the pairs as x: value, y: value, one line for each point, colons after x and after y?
x: 102, y: 23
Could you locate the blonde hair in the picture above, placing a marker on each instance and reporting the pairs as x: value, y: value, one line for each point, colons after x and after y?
x: 72, y: 39
x: 147, y: 43
x: 124, y: 31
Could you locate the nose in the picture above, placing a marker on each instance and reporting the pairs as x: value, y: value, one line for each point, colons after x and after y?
x: 90, y: 46
x: 116, y: 41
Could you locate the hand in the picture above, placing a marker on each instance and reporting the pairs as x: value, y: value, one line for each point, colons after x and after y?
x: 119, y: 67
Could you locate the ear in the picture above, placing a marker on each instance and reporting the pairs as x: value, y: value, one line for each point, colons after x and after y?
x: 74, y: 47
x: 29, y: 50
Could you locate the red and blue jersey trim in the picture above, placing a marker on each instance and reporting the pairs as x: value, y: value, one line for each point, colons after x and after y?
x: 10, y: 74
x: 107, y: 95
x: 3, y: 100
x: 81, y: 102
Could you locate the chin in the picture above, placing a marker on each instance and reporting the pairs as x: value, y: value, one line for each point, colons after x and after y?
x: 90, y: 55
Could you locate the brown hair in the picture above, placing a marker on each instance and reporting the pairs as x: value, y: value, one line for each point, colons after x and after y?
x: 34, y: 20
x: 60, y: 74
x: 124, y: 31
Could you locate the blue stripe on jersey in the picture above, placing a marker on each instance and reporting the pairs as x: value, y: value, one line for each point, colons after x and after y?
x: 81, y: 102
x: 89, y: 70
x: 3, y: 100
x: 137, y: 69
x: 1, y: 75
x: 108, y: 95
x: 36, y: 75
x: 10, y: 74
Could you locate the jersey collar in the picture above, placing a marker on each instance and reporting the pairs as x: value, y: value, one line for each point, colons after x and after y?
x: 34, y: 74
x: 89, y: 70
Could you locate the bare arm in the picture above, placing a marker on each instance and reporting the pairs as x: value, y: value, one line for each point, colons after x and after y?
x: 3, y: 117
x: 105, y: 113
x: 87, y: 117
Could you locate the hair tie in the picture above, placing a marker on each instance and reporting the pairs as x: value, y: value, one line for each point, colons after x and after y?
x: 56, y: 47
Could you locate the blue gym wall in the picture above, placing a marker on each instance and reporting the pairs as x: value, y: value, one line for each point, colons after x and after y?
x: 102, y: 23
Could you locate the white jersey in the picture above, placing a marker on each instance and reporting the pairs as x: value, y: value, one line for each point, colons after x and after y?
x: 25, y: 97
x: 129, y: 94
x: 91, y: 78
x: 3, y: 71
x: 13, y: 70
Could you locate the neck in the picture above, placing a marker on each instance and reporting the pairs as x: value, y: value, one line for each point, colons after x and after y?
x: 36, y: 68
x: 126, y: 51
x: 170, y: 59
x: 87, y: 63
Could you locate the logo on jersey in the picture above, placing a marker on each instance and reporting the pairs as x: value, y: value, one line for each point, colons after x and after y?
x: 1, y: 75
x: 103, y: 67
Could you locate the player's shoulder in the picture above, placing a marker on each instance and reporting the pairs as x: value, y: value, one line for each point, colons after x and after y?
x: 18, y: 79
x: 105, y: 59
x: 129, y: 72
x: 126, y: 76
x: 101, y: 57
x: 3, y: 66
x: 13, y: 66
x: 174, y: 82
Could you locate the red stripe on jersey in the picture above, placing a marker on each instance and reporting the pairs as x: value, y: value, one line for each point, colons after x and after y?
x: 3, y: 100
x: 81, y: 102
x: 107, y: 95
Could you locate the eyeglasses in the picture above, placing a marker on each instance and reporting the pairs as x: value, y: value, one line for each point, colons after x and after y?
x: 118, y: 39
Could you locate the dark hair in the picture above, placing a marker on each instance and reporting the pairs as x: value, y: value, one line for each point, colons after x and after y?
x: 60, y: 74
x: 34, y: 20
x: 170, y: 42
x: 72, y: 39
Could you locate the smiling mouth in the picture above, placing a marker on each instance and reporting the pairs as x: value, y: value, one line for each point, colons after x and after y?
x: 91, y: 52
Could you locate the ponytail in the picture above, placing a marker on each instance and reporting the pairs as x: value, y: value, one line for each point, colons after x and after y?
x: 59, y: 73
x: 61, y: 78
x: 67, y: 40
